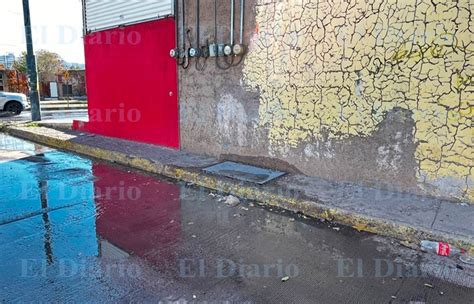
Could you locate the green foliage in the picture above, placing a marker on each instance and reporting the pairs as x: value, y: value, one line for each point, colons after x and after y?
x: 75, y: 67
x: 48, y: 63
x: 32, y: 124
x: 20, y: 64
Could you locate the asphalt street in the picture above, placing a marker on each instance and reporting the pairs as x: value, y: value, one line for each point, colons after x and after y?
x: 79, y: 230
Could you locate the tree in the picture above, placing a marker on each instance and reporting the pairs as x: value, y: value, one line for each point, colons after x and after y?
x: 17, y: 82
x: 49, y: 64
x: 20, y: 64
x: 75, y: 66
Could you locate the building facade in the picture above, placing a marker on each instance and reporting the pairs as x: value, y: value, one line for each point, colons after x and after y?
x: 375, y: 92
x: 3, y: 81
x: 7, y: 61
x: 70, y: 84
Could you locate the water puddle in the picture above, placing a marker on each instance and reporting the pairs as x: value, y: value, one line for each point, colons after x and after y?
x: 73, y: 229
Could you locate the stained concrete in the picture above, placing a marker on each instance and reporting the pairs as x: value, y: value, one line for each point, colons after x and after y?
x: 174, y: 242
x: 447, y: 214
x: 219, y: 117
x: 390, y: 205
x: 402, y: 215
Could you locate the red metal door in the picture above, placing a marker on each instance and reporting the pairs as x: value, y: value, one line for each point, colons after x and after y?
x: 132, y: 83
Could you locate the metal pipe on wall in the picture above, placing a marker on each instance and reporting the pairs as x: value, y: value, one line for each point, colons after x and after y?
x: 176, y: 17
x: 228, y: 48
x: 218, y: 48
x: 195, y: 50
x: 242, y: 12
x: 215, y: 23
x: 202, y: 51
x: 198, y: 36
x: 240, y: 49
x: 179, y: 52
x: 185, y: 62
x: 232, y: 19
x: 183, y: 24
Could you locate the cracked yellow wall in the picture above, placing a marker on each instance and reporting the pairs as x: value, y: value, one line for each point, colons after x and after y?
x: 334, y: 68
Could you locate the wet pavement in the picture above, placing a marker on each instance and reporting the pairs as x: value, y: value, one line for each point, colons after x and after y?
x: 78, y: 230
x: 54, y: 116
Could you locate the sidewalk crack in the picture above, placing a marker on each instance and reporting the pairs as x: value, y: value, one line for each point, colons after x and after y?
x: 436, y: 215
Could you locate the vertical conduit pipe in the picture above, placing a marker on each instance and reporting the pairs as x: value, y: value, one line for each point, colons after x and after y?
x: 185, y: 63
x: 218, y: 64
x: 199, y: 67
x: 239, y: 49
x: 232, y: 17
x: 183, y: 24
x: 215, y: 24
x: 176, y: 22
x: 198, y: 36
x: 242, y: 11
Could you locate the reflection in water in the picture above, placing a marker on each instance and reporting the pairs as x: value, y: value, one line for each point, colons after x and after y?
x: 132, y: 213
x: 46, y: 220
x: 124, y: 236
x: 140, y: 214
x: 43, y: 186
x: 15, y: 144
x: 110, y: 218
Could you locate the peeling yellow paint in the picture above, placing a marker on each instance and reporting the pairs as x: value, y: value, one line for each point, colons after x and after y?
x: 334, y: 68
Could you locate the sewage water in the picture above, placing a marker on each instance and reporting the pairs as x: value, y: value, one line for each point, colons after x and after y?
x: 78, y: 230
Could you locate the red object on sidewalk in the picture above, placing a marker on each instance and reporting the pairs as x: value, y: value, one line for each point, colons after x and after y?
x: 443, y: 249
x: 440, y: 248
x: 132, y: 83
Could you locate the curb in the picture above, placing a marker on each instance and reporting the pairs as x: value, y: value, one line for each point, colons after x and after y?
x: 315, y: 209
x: 60, y: 108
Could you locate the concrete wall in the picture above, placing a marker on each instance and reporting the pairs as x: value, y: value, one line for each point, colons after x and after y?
x: 378, y: 92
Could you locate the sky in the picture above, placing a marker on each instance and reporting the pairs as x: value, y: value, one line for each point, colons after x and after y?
x: 56, y: 24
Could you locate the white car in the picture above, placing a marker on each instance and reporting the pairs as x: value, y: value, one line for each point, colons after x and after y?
x: 13, y: 102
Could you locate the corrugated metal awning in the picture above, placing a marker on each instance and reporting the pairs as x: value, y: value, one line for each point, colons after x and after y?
x: 106, y: 14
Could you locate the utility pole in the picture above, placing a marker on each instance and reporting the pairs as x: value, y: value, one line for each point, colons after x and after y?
x: 31, y: 62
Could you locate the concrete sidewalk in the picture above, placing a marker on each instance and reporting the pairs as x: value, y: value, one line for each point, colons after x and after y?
x: 54, y: 105
x: 405, y: 216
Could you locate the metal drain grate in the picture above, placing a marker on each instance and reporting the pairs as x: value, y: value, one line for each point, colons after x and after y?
x: 244, y: 172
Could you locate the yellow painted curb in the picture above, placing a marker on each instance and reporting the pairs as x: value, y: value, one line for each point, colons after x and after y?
x: 313, y: 209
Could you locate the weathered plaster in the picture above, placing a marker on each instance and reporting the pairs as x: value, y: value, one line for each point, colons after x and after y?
x: 217, y: 114
x: 331, y: 71
x: 232, y: 120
